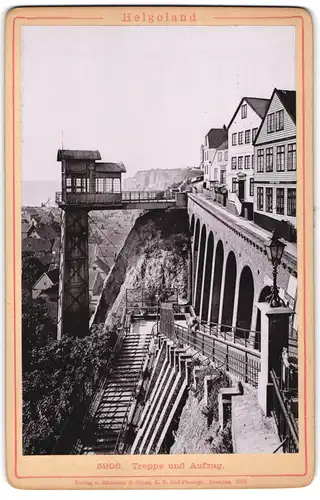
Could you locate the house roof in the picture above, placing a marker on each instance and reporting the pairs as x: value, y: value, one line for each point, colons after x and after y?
x: 77, y: 154
x: 288, y: 99
x: 223, y: 146
x: 25, y: 227
x: 111, y: 167
x: 35, y: 245
x: 53, y: 275
x: 46, y: 232
x: 258, y: 104
x: 216, y: 136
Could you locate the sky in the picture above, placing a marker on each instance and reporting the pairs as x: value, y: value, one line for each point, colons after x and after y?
x: 142, y: 95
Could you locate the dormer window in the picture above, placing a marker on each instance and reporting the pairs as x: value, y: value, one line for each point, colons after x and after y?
x: 244, y: 111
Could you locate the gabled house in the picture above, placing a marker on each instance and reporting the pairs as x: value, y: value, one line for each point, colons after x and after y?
x: 42, y: 233
x: 25, y: 226
x: 276, y: 165
x: 242, y: 131
x: 214, y: 138
x: 45, y: 282
x: 38, y: 247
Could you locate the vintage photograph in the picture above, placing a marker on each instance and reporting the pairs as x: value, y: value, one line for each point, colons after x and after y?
x: 159, y: 240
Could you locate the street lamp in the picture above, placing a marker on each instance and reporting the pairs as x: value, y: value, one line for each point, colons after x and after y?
x: 275, y: 248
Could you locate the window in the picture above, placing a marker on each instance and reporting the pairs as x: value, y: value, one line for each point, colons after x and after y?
x: 280, y: 158
x: 234, y: 184
x: 81, y: 184
x: 215, y: 174
x: 254, y: 133
x: 226, y: 156
x: 240, y: 138
x: 269, y: 160
x: 260, y: 198
x: 291, y: 208
x: 108, y: 185
x: 244, y: 111
x: 223, y: 176
x: 280, y: 201
x: 269, y: 199
x: 252, y: 161
x: 280, y: 120
x: 260, y: 160
x: 247, y: 136
x: 116, y: 186
x: 240, y: 162
x: 99, y: 185
x: 247, y: 162
x: 234, y: 139
x: 219, y: 156
x: 233, y: 163
x: 270, y: 123
x: 292, y: 159
x: 251, y: 186
x: 68, y: 185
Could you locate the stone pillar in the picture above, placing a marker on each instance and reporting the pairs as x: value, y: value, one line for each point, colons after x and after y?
x: 203, y: 274
x: 223, y: 279
x: 274, y: 337
x: 190, y: 273
x: 212, y: 281
x: 236, y: 299
x: 196, y: 274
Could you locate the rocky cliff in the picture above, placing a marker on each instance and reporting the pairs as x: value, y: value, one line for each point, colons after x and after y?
x: 155, y: 255
x: 158, y: 179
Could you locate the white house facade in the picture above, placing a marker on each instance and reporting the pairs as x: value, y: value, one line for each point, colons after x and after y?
x: 242, y: 131
x: 275, y: 166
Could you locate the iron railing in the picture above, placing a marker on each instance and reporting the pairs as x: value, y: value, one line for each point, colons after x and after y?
x: 241, y: 361
x: 284, y: 418
x: 114, y: 198
x: 234, y: 334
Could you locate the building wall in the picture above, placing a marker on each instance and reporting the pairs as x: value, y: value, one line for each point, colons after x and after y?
x: 208, y: 157
x: 289, y: 126
x: 241, y: 125
x: 218, y: 165
x: 276, y: 179
x: 43, y: 283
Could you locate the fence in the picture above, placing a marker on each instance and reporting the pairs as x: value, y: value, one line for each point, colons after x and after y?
x: 285, y: 420
x: 240, y: 360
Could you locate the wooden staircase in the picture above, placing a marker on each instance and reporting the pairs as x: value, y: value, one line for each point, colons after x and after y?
x: 102, y: 434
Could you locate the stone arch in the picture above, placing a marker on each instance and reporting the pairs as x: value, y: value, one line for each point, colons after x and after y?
x: 202, y: 247
x: 217, y: 282
x: 265, y: 292
x: 207, y: 278
x: 245, y: 301
x: 229, y: 290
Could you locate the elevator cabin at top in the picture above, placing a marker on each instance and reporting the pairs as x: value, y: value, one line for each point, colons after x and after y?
x: 87, y: 182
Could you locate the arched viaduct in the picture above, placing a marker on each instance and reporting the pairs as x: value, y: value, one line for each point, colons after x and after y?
x: 230, y: 268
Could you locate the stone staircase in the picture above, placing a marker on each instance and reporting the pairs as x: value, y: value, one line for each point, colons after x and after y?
x: 168, y: 387
x: 118, y: 397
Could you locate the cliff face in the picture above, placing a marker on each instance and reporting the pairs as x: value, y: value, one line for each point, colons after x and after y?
x: 157, y: 179
x: 155, y: 255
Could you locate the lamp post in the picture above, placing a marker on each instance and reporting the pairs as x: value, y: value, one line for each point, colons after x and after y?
x: 275, y: 248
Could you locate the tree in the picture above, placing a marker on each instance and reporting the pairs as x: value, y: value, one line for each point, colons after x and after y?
x: 32, y: 269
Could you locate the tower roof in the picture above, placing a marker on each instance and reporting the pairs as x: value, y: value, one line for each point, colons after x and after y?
x: 78, y: 154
